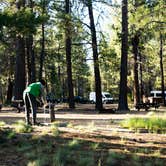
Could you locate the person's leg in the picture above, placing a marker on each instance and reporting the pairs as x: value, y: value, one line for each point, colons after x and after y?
x: 27, y: 108
x: 33, y: 104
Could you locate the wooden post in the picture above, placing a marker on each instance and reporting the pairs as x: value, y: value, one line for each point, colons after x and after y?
x: 51, y: 112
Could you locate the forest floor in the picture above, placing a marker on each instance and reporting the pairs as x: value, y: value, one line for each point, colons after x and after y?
x: 100, y: 137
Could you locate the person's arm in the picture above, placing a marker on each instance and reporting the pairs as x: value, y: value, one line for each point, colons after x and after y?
x: 43, y: 95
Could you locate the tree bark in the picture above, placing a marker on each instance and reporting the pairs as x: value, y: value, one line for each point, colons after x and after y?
x: 141, y: 79
x: 68, y: 56
x: 28, y: 63
x: 19, y: 82
x: 161, y: 69
x: 135, y: 43
x: 42, y: 54
x: 9, y: 90
x: 30, y: 60
x: 99, y: 104
x: 33, y: 62
x: 31, y: 51
x: 123, y: 104
x: 31, y: 71
x: 19, y: 85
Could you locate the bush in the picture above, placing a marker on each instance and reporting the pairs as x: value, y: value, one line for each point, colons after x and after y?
x: 54, y: 129
x: 152, y: 124
x: 21, y: 127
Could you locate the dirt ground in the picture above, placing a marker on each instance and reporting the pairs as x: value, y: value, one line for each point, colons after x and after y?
x: 87, y: 124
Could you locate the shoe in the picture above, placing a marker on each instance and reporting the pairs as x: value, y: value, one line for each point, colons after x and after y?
x: 28, y: 123
x: 36, y: 124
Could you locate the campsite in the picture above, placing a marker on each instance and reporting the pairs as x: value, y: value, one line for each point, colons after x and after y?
x: 82, y: 82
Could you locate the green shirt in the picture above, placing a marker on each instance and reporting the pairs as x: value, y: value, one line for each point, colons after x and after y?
x: 35, y: 89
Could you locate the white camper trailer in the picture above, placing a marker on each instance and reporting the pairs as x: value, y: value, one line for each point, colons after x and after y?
x: 156, y: 96
x: 106, y: 97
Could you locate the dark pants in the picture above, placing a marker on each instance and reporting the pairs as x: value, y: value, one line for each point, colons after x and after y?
x: 30, y: 106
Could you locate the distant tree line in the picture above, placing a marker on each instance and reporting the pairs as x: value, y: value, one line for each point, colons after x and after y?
x: 62, y: 42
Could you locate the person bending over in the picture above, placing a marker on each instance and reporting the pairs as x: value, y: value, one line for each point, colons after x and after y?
x: 31, y: 94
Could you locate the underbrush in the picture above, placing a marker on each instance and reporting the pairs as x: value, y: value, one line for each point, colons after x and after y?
x: 2, y: 124
x: 54, y: 149
x: 21, y: 127
x: 56, y: 152
x: 152, y: 123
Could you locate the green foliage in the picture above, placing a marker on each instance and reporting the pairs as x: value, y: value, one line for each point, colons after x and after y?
x: 152, y: 124
x: 146, y: 18
x: 2, y: 124
x: 11, y: 134
x: 54, y: 129
x: 6, y: 135
x: 65, y: 156
x: 109, y: 64
x: 56, y: 90
x: 94, y: 146
x: 23, y: 21
x: 62, y: 157
x: 26, y: 147
x: 40, y: 161
x: 86, y: 161
x: 21, y: 127
x: 113, y: 158
x: 74, y: 144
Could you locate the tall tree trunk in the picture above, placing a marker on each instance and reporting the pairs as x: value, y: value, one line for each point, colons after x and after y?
x: 42, y: 54
x: 31, y: 71
x: 31, y: 51
x: 123, y: 104
x: 60, y: 72
x: 28, y: 61
x: 31, y: 77
x: 10, y: 77
x: 135, y: 43
x: 9, y: 90
x: 59, y: 66
x: 1, y: 94
x: 19, y: 85
x: 141, y: 79
x: 161, y: 69
x: 33, y: 60
x: 68, y: 55
x: 99, y: 104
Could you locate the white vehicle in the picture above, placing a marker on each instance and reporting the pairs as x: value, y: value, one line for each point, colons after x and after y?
x: 156, y: 93
x: 156, y: 96
x: 106, y: 97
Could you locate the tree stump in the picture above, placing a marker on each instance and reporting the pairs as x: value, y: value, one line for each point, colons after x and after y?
x: 51, y: 112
